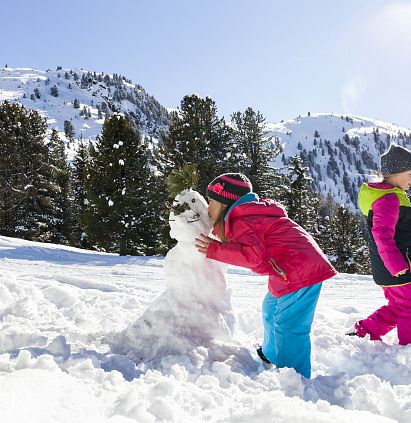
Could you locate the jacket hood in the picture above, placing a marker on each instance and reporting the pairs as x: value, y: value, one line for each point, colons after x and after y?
x: 369, y: 193
x: 262, y: 207
x: 247, y: 198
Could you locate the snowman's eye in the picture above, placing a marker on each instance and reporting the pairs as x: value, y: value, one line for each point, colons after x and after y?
x: 193, y: 200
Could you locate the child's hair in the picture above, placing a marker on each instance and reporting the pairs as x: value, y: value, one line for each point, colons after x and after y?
x: 386, y: 179
x: 375, y: 176
x: 219, y: 222
x: 227, y: 189
x: 379, y: 177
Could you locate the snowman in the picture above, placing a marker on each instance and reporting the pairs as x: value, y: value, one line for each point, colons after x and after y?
x: 195, y: 309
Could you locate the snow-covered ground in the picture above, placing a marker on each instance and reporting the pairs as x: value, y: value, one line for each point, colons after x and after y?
x: 58, y: 305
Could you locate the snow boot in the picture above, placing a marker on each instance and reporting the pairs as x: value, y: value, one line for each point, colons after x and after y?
x: 263, y: 358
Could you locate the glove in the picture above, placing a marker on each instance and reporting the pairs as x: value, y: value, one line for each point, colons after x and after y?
x: 401, y: 273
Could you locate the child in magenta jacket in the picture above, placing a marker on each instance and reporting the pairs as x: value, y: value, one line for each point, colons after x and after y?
x: 257, y: 234
x: 388, y: 212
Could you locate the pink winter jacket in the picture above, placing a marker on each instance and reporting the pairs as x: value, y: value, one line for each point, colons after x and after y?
x: 261, y: 237
x: 386, y: 211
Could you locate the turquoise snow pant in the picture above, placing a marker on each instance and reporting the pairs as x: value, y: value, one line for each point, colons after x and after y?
x: 287, y: 325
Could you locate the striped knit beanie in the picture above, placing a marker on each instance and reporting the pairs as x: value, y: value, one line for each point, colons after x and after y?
x: 396, y: 160
x: 229, y: 187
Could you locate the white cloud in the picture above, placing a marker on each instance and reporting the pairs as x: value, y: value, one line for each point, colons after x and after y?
x: 374, y: 54
x: 351, y: 93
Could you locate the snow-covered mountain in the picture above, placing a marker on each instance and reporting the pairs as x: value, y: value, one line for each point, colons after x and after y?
x: 341, y: 151
x: 82, y: 98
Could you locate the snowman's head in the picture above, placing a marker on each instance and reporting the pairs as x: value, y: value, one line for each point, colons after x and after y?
x: 189, y: 216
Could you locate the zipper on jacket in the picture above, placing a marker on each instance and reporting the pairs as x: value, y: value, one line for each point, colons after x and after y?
x: 278, y: 269
x: 408, y: 258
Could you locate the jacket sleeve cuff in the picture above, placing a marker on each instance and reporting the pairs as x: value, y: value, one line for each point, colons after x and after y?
x: 397, y: 267
x: 212, y: 248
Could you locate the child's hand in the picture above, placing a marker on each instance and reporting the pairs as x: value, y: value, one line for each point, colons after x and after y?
x: 400, y: 273
x: 202, y: 243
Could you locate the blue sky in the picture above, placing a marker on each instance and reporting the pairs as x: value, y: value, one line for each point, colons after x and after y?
x: 283, y: 58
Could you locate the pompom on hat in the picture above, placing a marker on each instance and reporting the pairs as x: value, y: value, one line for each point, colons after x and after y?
x: 229, y: 187
x: 396, y: 160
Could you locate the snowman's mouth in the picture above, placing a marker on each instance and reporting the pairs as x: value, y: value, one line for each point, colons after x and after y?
x: 196, y: 218
x: 188, y: 221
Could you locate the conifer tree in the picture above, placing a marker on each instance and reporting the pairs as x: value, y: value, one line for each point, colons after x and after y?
x: 80, y: 175
x: 121, y: 215
x: 26, y: 209
x: 198, y: 136
x: 60, y: 191
x: 54, y: 91
x: 300, y: 201
x: 326, y: 210
x: 69, y: 130
x: 99, y: 114
x: 347, y: 246
x: 253, y: 152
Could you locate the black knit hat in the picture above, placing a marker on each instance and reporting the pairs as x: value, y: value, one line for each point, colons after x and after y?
x: 396, y: 160
x: 229, y: 187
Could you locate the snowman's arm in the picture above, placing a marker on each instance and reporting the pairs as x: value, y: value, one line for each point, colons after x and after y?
x: 247, y: 250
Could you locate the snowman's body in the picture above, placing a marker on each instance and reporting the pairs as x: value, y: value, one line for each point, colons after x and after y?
x: 195, y: 308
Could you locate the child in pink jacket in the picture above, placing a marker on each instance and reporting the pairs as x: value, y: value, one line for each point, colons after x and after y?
x: 257, y: 234
x: 388, y: 212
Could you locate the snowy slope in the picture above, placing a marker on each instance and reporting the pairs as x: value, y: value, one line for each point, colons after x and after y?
x: 354, y: 142
x: 91, y: 90
x: 58, y: 303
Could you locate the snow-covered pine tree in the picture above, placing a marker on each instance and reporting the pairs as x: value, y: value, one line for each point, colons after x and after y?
x: 60, y: 191
x: 121, y: 215
x: 326, y: 210
x: 26, y: 205
x: 54, y: 91
x: 347, y: 248
x: 300, y: 200
x: 69, y: 130
x: 196, y: 135
x: 11, y: 178
x: 252, y: 153
x: 80, y: 172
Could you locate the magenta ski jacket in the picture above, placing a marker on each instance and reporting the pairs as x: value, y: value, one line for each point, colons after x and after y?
x: 388, y: 213
x: 261, y: 237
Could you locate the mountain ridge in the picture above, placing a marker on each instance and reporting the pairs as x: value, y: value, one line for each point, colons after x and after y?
x: 84, y: 99
x: 341, y: 150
